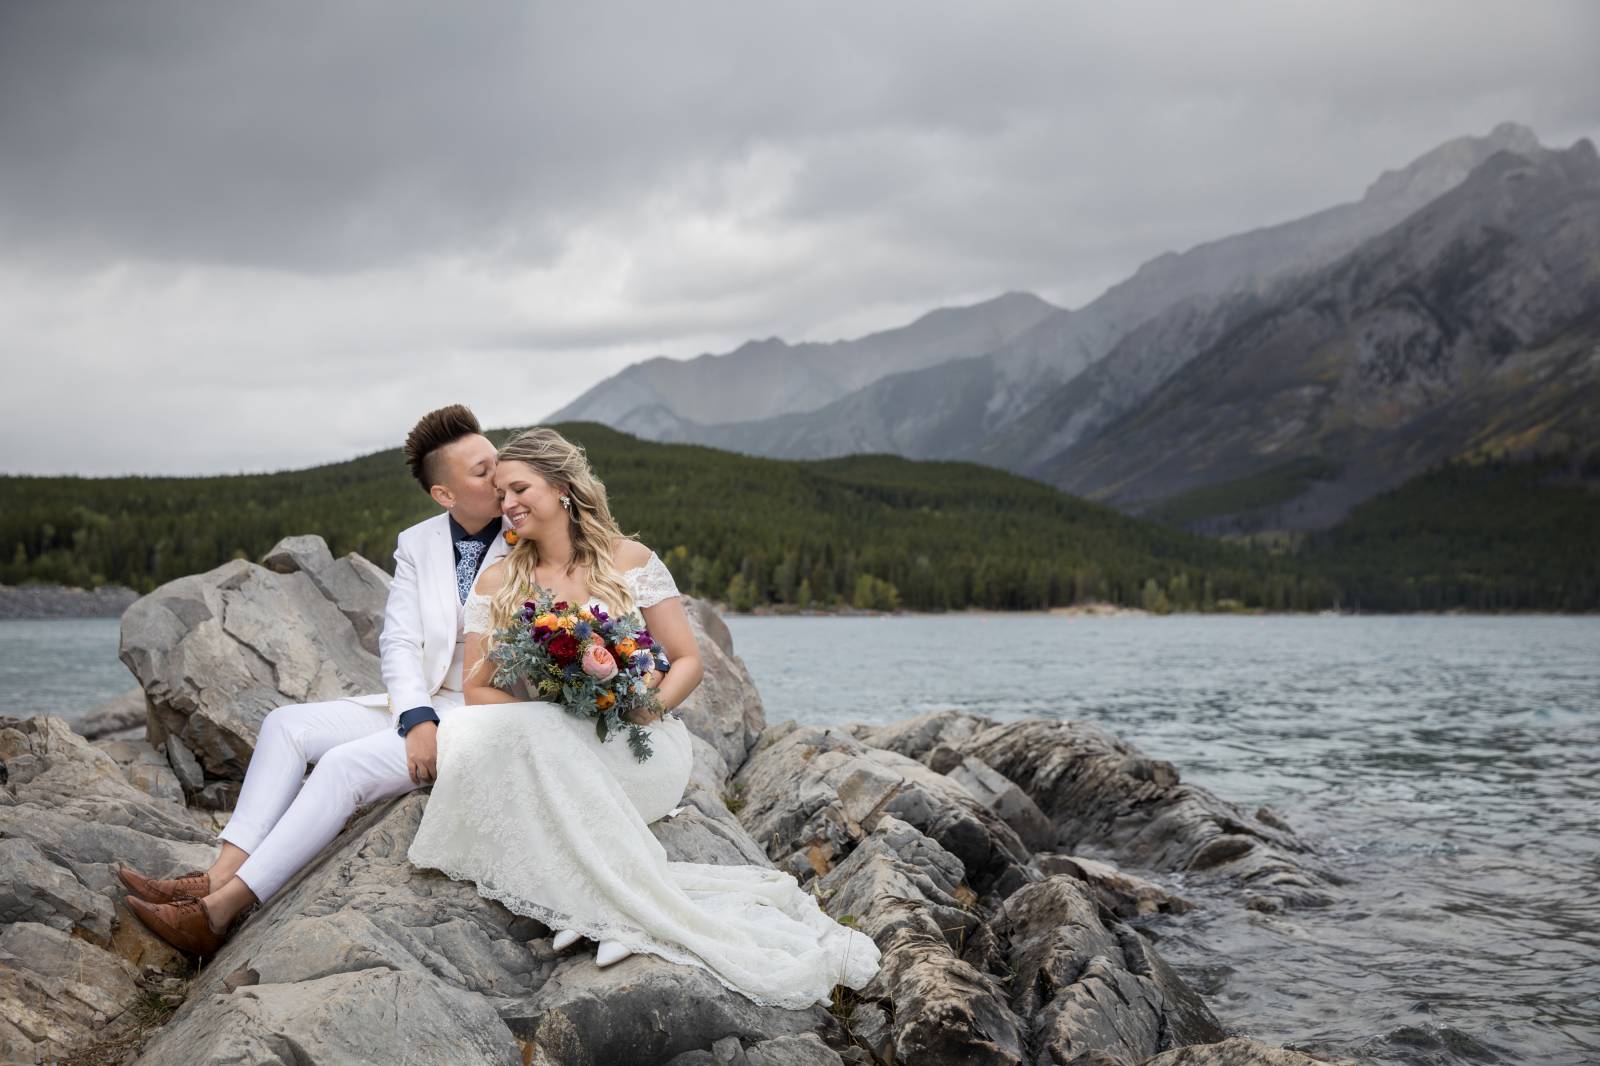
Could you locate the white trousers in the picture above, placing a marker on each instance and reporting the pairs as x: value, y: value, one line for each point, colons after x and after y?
x: 283, y: 818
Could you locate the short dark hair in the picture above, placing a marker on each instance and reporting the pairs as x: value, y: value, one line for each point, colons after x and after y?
x: 433, y: 431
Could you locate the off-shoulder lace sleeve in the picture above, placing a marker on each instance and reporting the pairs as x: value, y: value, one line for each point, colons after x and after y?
x: 651, y: 583
x: 475, y: 614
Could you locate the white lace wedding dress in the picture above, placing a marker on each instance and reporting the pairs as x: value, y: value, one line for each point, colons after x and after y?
x: 532, y: 807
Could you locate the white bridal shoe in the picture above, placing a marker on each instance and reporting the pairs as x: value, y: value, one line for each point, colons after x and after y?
x: 609, y: 951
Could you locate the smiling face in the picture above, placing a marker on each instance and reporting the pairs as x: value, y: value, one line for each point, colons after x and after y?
x: 466, y: 477
x: 528, y: 501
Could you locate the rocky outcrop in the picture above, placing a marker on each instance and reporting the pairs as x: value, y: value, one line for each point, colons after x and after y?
x: 75, y: 966
x: 59, y: 992
x: 812, y: 792
x: 949, y: 839
x: 364, y: 955
x: 1105, y: 796
x: 124, y: 714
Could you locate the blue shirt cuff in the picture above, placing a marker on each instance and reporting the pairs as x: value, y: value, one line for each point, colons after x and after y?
x: 415, y: 715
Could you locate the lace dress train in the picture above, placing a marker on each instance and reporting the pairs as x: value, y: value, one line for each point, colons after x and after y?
x: 552, y: 822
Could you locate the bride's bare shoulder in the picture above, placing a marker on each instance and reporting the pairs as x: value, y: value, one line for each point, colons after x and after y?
x: 629, y: 554
x: 492, y: 577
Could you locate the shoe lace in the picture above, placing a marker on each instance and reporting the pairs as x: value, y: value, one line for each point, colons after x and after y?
x: 187, y: 907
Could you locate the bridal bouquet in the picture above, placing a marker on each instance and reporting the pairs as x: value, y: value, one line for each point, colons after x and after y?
x: 592, y: 664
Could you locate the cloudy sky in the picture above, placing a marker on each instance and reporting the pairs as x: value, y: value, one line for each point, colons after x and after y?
x: 255, y: 237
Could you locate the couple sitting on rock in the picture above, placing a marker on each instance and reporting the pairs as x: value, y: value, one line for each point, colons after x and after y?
x: 527, y: 803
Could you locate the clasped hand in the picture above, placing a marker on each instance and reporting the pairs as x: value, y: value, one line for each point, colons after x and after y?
x: 422, y: 752
x: 422, y: 742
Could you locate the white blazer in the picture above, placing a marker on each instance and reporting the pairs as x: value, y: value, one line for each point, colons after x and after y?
x: 419, y: 620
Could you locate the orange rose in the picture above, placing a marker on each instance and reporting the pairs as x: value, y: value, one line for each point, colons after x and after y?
x: 511, y: 537
x: 546, y: 620
x: 625, y: 648
x: 604, y: 700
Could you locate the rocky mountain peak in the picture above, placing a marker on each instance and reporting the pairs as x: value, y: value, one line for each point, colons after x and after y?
x: 1436, y: 172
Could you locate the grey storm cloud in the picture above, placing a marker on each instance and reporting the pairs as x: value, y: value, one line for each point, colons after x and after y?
x: 246, y: 215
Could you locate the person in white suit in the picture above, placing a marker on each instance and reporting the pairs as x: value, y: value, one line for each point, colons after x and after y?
x: 366, y: 748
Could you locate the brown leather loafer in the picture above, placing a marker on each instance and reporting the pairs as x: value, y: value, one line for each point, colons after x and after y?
x: 184, y: 924
x: 192, y: 885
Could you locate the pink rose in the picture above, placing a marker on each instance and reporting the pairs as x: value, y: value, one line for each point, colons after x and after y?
x: 598, y: 663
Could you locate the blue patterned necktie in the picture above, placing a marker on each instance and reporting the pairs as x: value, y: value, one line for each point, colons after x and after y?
x: 467, y: 566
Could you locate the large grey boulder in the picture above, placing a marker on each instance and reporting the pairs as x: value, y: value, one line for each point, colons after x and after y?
x: 215, y: 652
x: 725, y: 709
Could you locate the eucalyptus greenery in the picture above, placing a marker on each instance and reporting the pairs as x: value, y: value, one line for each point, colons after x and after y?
x: 530, y: 651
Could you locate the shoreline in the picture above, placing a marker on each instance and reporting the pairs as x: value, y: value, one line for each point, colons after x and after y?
x: 1111, y: 610
x: 45, y: 602
x: 40, y: 602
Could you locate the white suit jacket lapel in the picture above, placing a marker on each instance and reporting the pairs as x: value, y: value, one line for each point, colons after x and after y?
x: 441, y: 598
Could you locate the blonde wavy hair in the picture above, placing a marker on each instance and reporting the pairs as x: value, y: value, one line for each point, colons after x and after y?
x: 564, y: 465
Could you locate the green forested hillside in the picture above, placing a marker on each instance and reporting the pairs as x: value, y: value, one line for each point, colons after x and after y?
x: 871, y: 531
x: 1488, y: 535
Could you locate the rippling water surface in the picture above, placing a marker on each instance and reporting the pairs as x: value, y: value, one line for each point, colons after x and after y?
x: 1445, y: 765
x: 61, y: 666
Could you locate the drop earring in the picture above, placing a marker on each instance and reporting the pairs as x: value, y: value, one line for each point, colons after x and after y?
x: 566, y: 501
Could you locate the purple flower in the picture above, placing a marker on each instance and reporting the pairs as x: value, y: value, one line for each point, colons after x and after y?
x: 540, y: 632
x: 599, y: 614
x: 642, y: 638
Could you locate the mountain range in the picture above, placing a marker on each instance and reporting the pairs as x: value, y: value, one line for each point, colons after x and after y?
x: 1269, y: 379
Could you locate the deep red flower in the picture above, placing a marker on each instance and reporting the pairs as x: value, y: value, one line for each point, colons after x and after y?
x: 561, y: 605
x: 563, y: 648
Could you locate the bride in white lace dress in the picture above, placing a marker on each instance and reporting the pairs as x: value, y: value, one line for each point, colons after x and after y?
x: 543, y: 816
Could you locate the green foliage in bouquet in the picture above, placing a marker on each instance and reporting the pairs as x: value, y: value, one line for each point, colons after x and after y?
x: 594, y: 665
